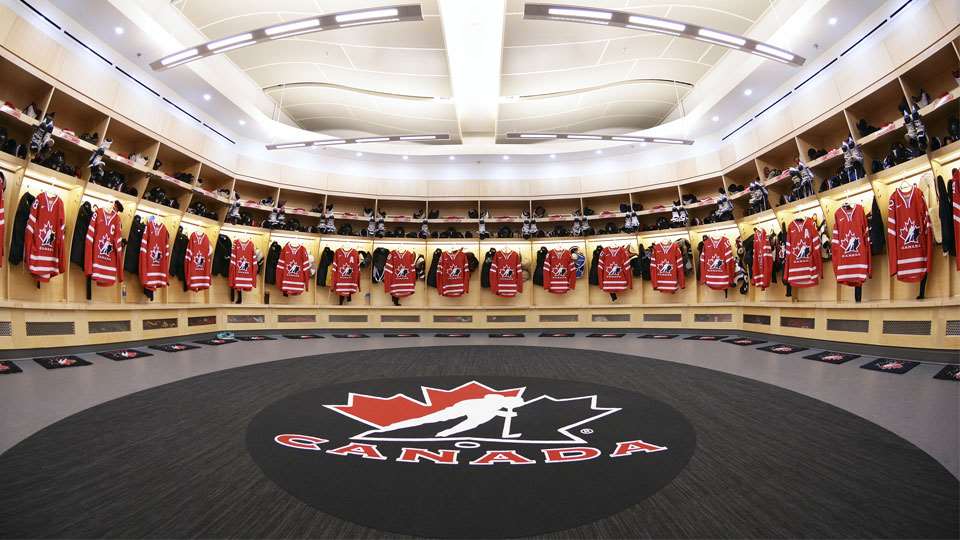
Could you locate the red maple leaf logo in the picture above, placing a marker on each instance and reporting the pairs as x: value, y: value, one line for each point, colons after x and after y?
x: 381, y: 412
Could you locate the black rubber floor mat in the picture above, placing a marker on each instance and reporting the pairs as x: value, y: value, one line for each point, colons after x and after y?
x: 606, y: 335
x: 401, y: 335
x: 706, y: 338
x: 216, y: 341
x: 743, y: 341
x: 506, y: 335
x: 256, y: 338
x: 949, y: 373
x: 657, y: 336
x: 57, y: 362
x: 453, y: 335
x: 350, y: 336
x: 782, y: 348
x: 557, y: 334
x: 124, y: 354
x: 889, y: 365
x: 831, y: 357
x: 302, y: 336
x: 174, y: 347
x: 9, y: 368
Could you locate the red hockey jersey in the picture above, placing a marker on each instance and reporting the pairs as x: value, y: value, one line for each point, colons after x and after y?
x: 154, y: 255
x: 803, y: 265
x: 293, y: 269
x: 850, y: 246
x: 453, y: 275
x: 666, y: 267
x: 346, y: 272
x: 506, y: 276
x: 717, y: 268
x: 242, y: 275
x: 955, y: 180
x: 399, y: 274
x: 3, y: 219
x: 762, y: 264
x: 196, y: 262
x: 613, y: 269
x: 559, y: 271
x: 909, y: 235
x: 103, y: 250
x: 44, y: 244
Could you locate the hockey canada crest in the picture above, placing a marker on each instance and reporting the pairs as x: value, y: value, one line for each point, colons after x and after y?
x: 910, y: 233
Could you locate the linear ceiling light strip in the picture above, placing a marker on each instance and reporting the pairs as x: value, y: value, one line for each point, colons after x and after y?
x: 593, y: 137
x: 649, y: 23
x: 332, y: 21
x: 362, y: 140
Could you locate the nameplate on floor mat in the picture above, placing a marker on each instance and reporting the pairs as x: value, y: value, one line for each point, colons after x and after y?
x: 605, y: 335
x: 949, y: 373
x: 124, y: 354
x: 657, y: 336
x: 505, y: 335
x: 216, y: 341
x: 174, y: 347
x: 743, y: 341
x: 57, y: 362
x: 832, y: 357
x: 888, y: 365
x: 302, y: 336
x: 256, y: 338
x: 557, y: 334
x: 455, y: 334
x: 781, y: 348
x: 9, y: 368
x: 401, y: 335
x: 706, y: 338
x: 350, y: 336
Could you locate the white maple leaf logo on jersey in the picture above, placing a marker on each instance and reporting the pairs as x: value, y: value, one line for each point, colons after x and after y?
x: 155, y: 255
x: 46, y: 235
x: 614, y: 270
x: 910, y: 233
x: 105, y: 247
x: 199, y: 260
x: 243, y: 265
x: 665, y: 267
x: 293, y: 268
x: 402, y: 272
x: 506, y: 272
x: 559, y: 271
x: 715, y: 263
x: 802, y: 251
x: 346, y: 271
x: 851, y: 244
x: 454, y: 272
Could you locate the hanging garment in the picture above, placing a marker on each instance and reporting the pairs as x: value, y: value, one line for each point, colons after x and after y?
x: 399, y: 273
x: 877, y: 237
x: 593, y: 275
x: 716, y: 263
x: 505, y: 274
x: 273, y: 256
x: 242, y: 275
x: 955, y: 202
x: 44, y: 243
x: 613, y: 269
x: 154, y: 255
x: 103, y: 248
x: 346, y: 272
x: 293, y: 269
x: 78, y: 245
x: 909, y: 235
x: 852, y: 262
x: 485, y: 269
x: 538, y: 267
x: 177, y: 254
x: 432, y: 273
x: 221, y: 256
x: 19, y: 233
x: 559, y: 271
x: 761, y: 260
x: 3, y: 218
x: 323, y: 265
x: 196, y: 262
x: 946, y: 209
x: 453, y: 274
x: 803, y: 267
x: 666, y: 267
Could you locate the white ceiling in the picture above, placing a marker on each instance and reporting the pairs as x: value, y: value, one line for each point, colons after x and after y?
x: 538, y: 57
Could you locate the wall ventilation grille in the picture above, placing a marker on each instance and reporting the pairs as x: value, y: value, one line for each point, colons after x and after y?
x: 302, y: 318
x: 712, y: 317
x: 610, y: 317
x: 347, y: 318
x: 400, y: 318
x: 662, y: 317
x: 907, y: 328
x: 953, y: 328
x: 453, y: 318
x: 750, y: 318
x: 808, y: 323
x: 6, y: 329
x: 158, y: 324
x: 559, y: 318
x: 65, y: 328
x: 848, y: 325
x: 245, y: 319
x: 205, y: 320
x: 506, y: 318
x: 103, y: 327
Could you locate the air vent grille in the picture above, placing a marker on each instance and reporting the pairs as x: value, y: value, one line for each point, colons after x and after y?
x: 807, y: 323
x: 662, y: 317
x: 750, y: 318
x: 65, y: 328
x: 506, y: 318
x: 245, y: 319
x: 103, y: 327
x: 953, y: 328
x: 297, y: 318
x: 610, y: 317
x: 348, y: 318
x: 157, y: 324
x: 848, y: 325
x: 907, y: 328
x: 453, y: 318
x: 712, y: 317
x: 205, y: 320
x: 559, y: 318
x: 6, y: 329
x: 400, y: 318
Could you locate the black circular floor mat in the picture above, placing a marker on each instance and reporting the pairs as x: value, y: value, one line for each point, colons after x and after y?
x: 470, y: 442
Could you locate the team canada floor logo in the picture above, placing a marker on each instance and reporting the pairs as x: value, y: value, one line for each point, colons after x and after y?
x: 462, y: 456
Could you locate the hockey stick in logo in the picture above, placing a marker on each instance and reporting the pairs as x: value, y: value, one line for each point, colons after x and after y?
x: 507, y: 420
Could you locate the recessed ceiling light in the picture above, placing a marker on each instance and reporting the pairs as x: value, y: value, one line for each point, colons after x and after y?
x: 242, y: 122
x: 643, y: 144
x: 598, y: 151
x: 506, y: 158
x: 451, y: 158
x: 747, y: 92
x: 359, y: 154
x: 716, y: 118
x: 553, y: 156
x: 206, y: 97
x: 832, y: 21
x: 118, y: 30
x: 406, y: 157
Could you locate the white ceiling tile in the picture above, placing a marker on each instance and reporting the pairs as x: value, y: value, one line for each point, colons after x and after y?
x: 686, y: 49
x: 669, y: 69
x: 392, y: 83
x: 520, y: 32
x: 549, y: 58
x: 282, y: 73
x: 713, y: 18
x: 643, y: 45
x: 413, y: 61
x: 204, y: 13
x: 288, y: 50
x: 558, y: 81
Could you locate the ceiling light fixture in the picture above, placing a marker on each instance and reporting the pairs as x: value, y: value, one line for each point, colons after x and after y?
x: 242, y: 122
x: 832, y: 21
x: 379, y: 15
x: 207, y: 97
x: 118, y: 30
x: 598, y: 151
x: 451, y: 158
x: 359, y: 154
x: 505, y: 158
x: 531, y: 137
x: 406, y: 158
x: 715, y: 119
x: 553, y: 156
x: 648, y: 23
x: 363, y: 140
x: 747, y: 92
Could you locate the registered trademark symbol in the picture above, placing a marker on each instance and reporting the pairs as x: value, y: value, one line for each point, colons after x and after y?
x: 586, y: 431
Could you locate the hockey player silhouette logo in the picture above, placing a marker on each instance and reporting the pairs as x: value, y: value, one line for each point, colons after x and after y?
x: 402, y: 272
x: 155, y: 255
x: 346, y: 271
x: 46, y: 235
x: 473, y: 412
x: 199, y: 260
x: 665, y: 267
x: 559, y: 271
x: 802, y: 251
x: 851, y: 244
x: 105, y: 247
x: 243, y: 265
x: 614, y: 270
x: 910, y: 234
x: 455, y: 272
x: 293, y: 269
x: 506, y: 272
x: 715, y: 263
